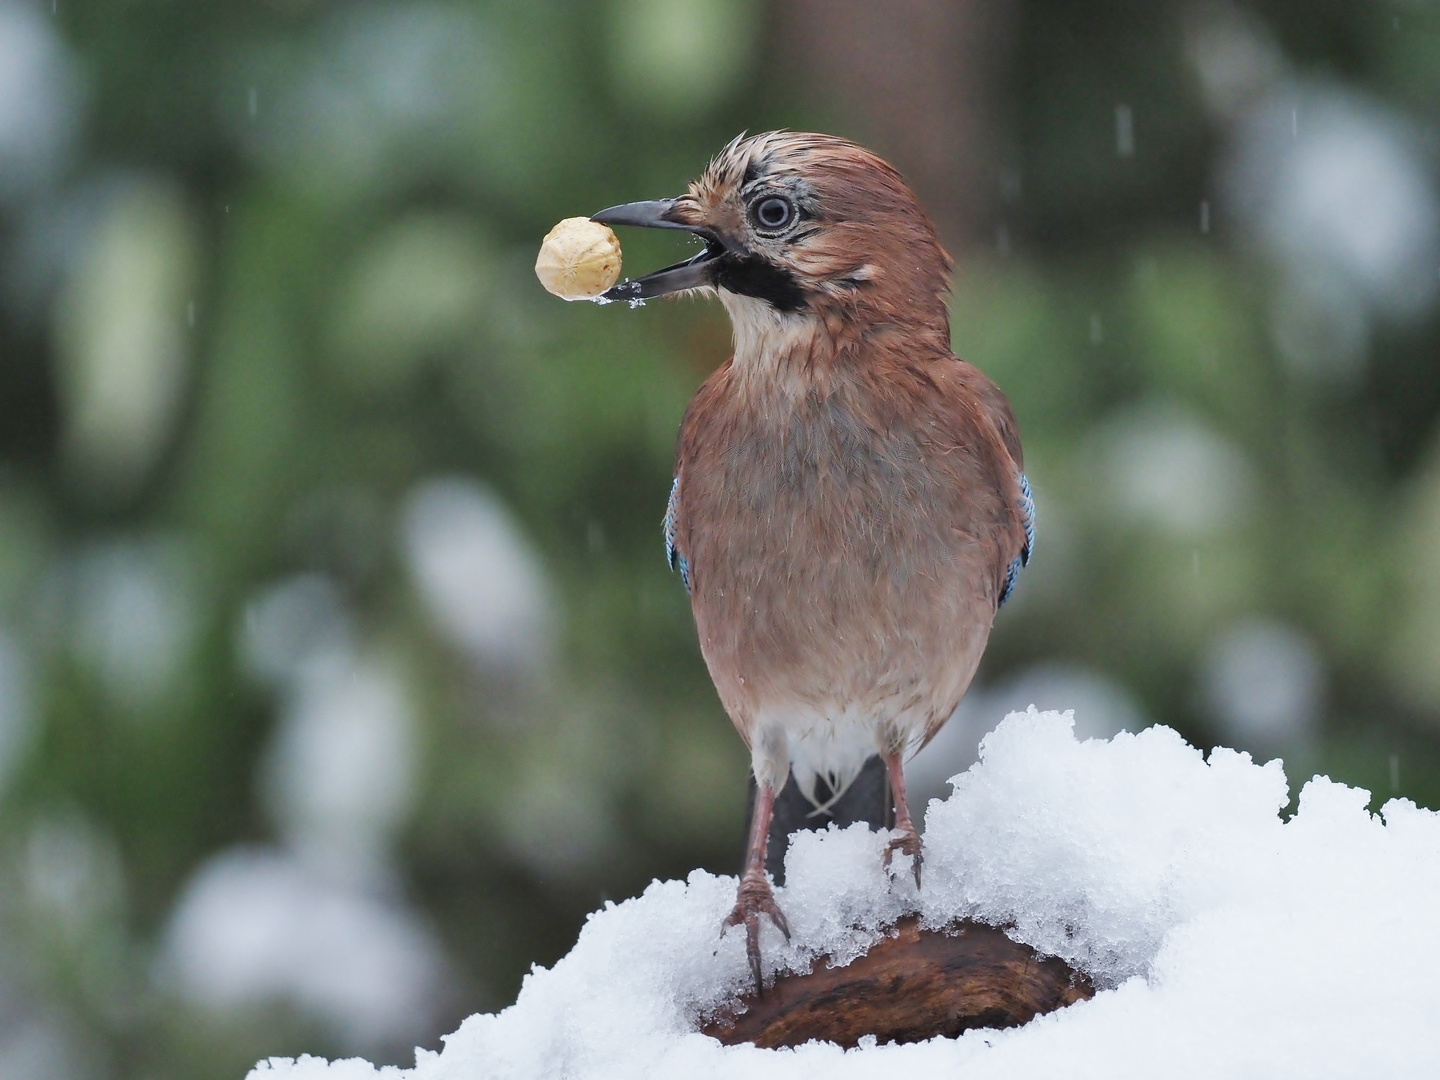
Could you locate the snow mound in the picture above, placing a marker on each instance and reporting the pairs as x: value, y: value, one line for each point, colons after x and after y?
x: 1225, y: 941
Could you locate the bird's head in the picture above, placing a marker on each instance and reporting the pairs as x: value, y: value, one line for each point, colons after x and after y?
x: 803, y: 233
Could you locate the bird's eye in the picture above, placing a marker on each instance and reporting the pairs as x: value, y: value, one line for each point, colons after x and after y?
x: 773, y: 212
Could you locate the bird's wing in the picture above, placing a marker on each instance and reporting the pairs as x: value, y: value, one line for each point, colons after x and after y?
x: 997, y: 409
x: 677, y: 516
x: 673, y: 554
x: 997, y: 405
x: 1027, y: 516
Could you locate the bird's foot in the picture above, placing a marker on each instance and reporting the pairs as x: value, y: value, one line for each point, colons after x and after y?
x: 907, y: 843
x: 755, y: 898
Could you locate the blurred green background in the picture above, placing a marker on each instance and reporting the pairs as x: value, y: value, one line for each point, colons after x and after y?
x: 341, y: 673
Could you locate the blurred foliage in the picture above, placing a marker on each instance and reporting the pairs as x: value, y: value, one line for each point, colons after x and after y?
x: 276, y: 280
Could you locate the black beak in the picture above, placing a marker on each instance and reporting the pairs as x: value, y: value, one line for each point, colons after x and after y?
x: 690, y: 274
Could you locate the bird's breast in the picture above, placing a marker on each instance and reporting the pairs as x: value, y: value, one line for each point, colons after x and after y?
x: 841, y: 548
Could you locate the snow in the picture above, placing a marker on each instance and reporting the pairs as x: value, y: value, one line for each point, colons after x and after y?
x: 479, y: 576
x: 1225, y: 940
x: 255, y: 925
x: 317, y: 922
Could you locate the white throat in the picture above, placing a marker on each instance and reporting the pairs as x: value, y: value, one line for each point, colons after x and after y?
x: 764, y: 336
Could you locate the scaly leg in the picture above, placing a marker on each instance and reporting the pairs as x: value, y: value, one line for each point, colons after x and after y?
x: 908, y: 842
x: 755, y: 897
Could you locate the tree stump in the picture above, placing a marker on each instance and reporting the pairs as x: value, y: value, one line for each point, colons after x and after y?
x: 909, y: 987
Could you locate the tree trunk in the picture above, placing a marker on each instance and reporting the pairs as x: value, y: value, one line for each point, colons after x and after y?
x: 916, y: 81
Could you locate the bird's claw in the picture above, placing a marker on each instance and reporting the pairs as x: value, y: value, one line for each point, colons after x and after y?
x: 755, y: 898
x: 907, y: 843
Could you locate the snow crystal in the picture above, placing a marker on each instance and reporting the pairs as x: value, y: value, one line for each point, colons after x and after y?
x: 1224, y: 940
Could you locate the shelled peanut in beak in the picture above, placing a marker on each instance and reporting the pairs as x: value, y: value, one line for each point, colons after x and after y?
x: 579, y: 259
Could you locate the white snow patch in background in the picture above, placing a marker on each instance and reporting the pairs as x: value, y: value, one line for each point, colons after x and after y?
x: 17, y: 708
x: 1334, y: 183
x: 1263, y: 683
x: 1225, y: 942
x: 339, y: 776
x: 1169, y: 469
x: 291, y: 624
x: 132, y: 618
x: 255, y: 926
x: 480, y: 577
x: 40, y: 99
x: 319, y: 922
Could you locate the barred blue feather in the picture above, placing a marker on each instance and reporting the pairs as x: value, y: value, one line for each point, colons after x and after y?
x: 672, y: 556
x: 1027, y: 509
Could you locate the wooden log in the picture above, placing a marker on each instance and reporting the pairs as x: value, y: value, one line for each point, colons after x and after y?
x: 909, y: 987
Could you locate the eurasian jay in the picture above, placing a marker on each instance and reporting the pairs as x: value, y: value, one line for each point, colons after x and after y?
x: 849, y: 507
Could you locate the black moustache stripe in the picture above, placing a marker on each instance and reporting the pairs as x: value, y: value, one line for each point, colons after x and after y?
x: 751, y: 275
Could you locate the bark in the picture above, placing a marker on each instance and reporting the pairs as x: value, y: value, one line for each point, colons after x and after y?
x: 910, y: 987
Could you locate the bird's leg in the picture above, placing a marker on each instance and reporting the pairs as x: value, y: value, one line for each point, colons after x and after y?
x: 755, y: 897
x: 908, y: 842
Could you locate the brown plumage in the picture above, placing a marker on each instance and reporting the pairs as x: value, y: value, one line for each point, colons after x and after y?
x: 849, y: 504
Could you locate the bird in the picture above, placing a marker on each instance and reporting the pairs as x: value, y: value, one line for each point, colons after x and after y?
x: 849, y: 507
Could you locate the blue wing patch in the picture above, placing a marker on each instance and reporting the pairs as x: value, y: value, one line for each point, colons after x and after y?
x: 673, y: 556
x: 1027, y: 510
